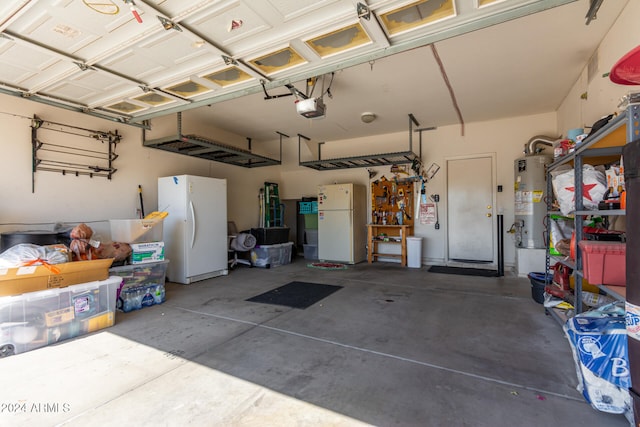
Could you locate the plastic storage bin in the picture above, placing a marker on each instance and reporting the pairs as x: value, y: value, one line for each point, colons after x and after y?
x: 36, y: 319
x: 136, y: 230
x: 308, y: 208
x: 414, y: 252
x: 311, y: 237
x: 604, y: 263
x: 142, y: 285
x: 270, y: 235
x: 310, y: 252
x: 271, y: 255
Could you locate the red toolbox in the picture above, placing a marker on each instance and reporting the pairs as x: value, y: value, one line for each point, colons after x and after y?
x: 604, y: 263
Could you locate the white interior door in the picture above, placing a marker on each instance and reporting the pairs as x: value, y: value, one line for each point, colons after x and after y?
x: 470, y: 209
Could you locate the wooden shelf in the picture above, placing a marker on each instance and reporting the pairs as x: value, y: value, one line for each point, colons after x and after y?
x: 399, y: 235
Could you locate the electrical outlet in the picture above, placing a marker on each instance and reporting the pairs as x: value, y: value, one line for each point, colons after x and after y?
x: 436, y: 198
x: 437, y: 226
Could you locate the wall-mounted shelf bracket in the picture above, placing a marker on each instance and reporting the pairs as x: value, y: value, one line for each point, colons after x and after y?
x: 72, y: 158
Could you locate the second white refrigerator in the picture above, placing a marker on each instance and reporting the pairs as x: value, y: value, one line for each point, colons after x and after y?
x: 195, y: 231
x: 342, y: 220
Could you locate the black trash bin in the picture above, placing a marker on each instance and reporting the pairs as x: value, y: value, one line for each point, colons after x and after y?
x: 538, y: 282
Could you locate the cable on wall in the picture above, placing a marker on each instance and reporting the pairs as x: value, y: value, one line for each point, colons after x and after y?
x: 16, y: 115
x: 448, y: 84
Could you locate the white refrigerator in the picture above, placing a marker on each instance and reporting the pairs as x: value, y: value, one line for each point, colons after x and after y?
x: 342, y: 223
x: 195, y: 231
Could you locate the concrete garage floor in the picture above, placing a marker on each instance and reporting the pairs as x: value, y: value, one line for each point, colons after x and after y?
x: 394, y: 347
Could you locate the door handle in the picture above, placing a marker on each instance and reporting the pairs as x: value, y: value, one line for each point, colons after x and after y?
x: 488, y: 215
x: 193, y: 224
x: 488, y: 206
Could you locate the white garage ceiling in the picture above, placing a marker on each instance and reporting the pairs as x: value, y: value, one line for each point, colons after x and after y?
x: 445, y: 61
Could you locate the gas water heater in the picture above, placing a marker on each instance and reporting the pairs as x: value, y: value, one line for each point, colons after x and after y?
x: 530, y: 200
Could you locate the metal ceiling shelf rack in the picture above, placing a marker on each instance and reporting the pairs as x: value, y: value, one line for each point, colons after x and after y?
x: 203, y: 148
x: 72, y: 158
x: 384, y: 159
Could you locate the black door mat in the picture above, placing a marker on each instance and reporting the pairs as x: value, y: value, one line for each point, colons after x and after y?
x: 296, y: 294
x: 463, y: 271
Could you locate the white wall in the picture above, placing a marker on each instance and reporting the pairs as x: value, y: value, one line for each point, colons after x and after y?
x: 602, y: 95
x: 505, y: 138
x: 72, y: 199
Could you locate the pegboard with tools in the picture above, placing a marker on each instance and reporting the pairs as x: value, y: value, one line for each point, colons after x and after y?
x: 392, y: 201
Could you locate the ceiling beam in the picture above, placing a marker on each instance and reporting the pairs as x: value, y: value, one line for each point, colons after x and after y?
x: 72, y: 107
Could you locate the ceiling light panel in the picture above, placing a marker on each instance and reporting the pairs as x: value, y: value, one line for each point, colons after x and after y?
x: 188, y: 89
x: 280, y: 60
x: 482, y: 3
x: 339, y: 41
x: 228, y: 76
x: 417, y: 14
x: 125, y: 107
x: 153, y: 99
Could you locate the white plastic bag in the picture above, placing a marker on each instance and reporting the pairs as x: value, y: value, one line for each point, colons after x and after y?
x: 594, y: 186
x: 30, y: 254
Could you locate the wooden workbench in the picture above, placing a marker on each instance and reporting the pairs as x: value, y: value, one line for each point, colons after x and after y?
x: 394, y: 234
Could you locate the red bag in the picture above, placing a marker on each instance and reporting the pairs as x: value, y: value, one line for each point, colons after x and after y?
x: 561, y: 274
x: 555, y: 290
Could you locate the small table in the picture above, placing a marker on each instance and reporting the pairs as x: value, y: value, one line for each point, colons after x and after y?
x: 394, y: 234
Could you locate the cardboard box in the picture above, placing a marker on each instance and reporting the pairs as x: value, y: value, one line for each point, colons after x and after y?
x: 136, y: 230
x: 16, y: 281
x: 147, y: 252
